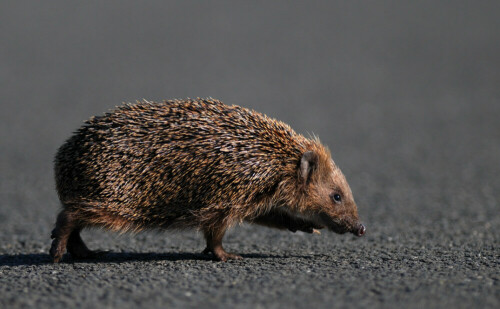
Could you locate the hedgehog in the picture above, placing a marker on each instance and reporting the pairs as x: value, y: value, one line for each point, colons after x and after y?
x: 195, y: 164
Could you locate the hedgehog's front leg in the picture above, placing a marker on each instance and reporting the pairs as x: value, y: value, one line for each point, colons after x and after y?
x: 282, y: 220
x: 214, y: 244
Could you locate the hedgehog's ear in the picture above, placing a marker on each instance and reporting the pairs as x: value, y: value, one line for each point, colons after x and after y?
x: 308, y: 164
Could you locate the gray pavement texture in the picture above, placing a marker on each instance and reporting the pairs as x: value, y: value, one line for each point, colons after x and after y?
x: 405, y: 94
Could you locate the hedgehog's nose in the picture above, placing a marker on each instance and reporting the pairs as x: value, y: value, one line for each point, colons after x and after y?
x: 361, y: 230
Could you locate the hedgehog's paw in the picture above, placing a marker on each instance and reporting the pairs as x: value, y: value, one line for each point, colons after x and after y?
x: 57, y: 250
x: 221, y: 255
x: 311, y: 229
x: 228, y: 256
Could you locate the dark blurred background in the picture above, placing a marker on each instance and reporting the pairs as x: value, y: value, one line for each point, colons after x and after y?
x: 381, y: 68
x: 405, y: 94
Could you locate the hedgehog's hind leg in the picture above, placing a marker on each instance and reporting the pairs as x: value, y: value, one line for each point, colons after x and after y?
x: 214, y: 245
x: 78, y: 249
x: 65, y: 224
x: 66, y: 236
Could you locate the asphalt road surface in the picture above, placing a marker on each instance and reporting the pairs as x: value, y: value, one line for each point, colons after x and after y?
x: 405, y: 94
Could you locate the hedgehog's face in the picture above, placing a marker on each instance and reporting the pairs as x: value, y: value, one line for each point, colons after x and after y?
x: 328, y: 199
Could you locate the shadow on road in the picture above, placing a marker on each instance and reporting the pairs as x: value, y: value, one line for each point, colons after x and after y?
x: 122, y: 257
x: 24, y: 259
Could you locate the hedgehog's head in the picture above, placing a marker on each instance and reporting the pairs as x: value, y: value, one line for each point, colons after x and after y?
x: 325, y: 196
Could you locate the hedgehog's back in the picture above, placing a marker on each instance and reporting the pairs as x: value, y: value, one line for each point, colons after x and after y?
x: 156, y: 159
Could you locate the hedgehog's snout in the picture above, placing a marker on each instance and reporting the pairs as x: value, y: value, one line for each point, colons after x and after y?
x: 360, y: 231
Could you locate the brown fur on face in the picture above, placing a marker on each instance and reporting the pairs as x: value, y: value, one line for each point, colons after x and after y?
x: 318, y: 180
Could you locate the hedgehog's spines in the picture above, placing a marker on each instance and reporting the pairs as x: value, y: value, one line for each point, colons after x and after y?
x: 167, y: 163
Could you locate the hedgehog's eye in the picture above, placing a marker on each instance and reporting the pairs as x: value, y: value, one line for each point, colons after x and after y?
x: 336, y: 197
